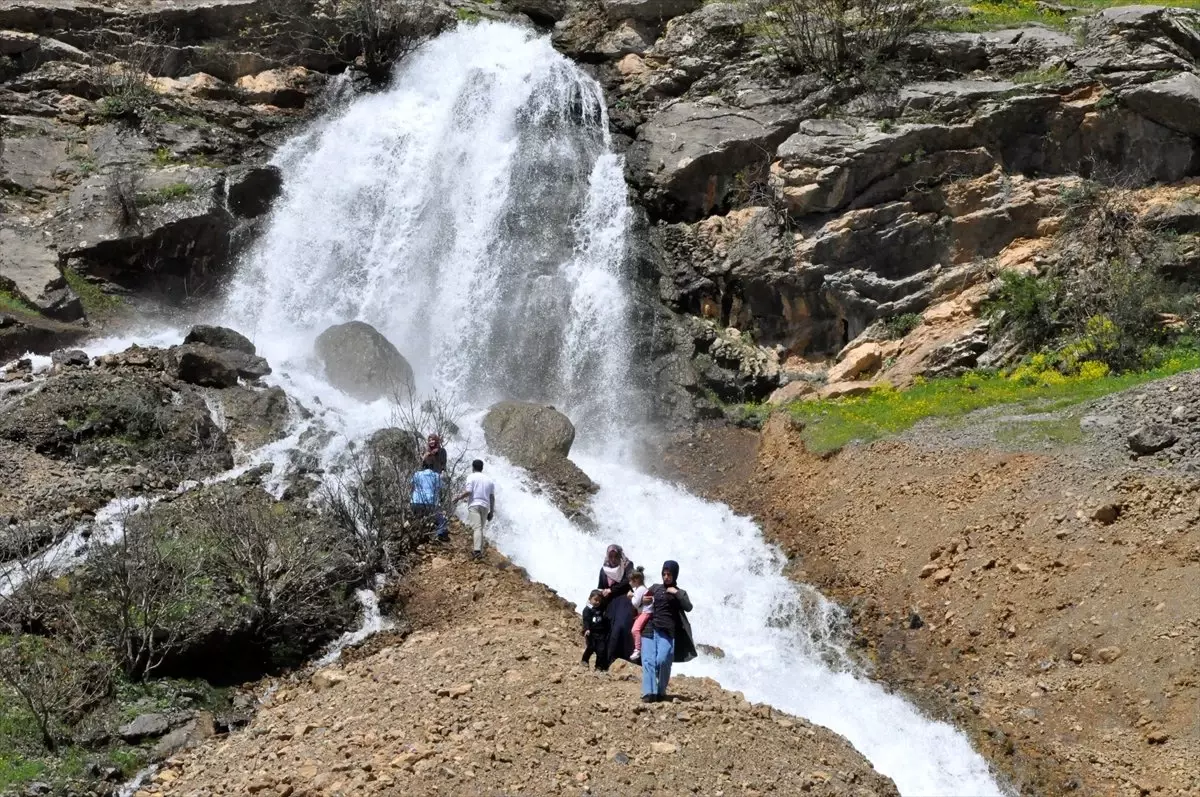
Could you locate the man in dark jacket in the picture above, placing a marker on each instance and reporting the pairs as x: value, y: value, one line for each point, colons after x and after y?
x: 667, y: 637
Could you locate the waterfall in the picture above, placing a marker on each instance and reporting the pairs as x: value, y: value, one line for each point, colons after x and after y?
x: 475, y: 214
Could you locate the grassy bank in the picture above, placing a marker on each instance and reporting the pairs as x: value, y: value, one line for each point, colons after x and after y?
x: 997, y: 14
x: 831, y: 424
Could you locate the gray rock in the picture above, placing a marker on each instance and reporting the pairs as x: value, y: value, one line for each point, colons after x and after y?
x: 70, y: 357
x: 207, y: 366
x: 687, y: 155
x: 362, y: 363
x: 543, y: 12
x: 649, y: 10
x: 1173, y: 102
x: 220, y: 338
x: 29, y: 266
x: 528, y: 434
x: 145, y: 726
x: 1151, y: 438
x: 254, y: 416
x: 631, y: 36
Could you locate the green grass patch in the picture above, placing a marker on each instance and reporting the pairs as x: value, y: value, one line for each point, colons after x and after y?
x: 96, y: 303
x: 1047, y: 75
x: 165, y: 195
x: 996, y: 14
x: 1059, y: 431
x: 17, y: 771
x: 11, y: 303
x: 832, y: 423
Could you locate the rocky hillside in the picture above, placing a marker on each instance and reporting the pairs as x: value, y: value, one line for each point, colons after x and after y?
x: 488, y: 697
x: 1031, y: 575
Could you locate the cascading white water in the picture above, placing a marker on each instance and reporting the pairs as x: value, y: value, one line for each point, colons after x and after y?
x: 475, y: 214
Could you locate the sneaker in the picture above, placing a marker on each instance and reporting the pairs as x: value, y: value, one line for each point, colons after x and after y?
x: 637, y: 654
x: 476, y: 554
x: 649, y: 698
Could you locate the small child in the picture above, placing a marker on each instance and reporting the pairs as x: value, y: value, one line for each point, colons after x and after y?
x: 595, y: 631
x: 637, y: 582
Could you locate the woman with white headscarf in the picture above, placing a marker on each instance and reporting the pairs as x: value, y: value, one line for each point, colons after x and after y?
x: 614, y: 585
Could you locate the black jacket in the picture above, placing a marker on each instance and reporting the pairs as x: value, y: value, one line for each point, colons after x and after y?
x: 670, y: 615
x: 596, y: 621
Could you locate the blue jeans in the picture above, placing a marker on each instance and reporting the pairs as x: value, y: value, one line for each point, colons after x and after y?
x: 658, y: 654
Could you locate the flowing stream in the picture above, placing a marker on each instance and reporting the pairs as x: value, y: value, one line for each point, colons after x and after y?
x: 475, y: 214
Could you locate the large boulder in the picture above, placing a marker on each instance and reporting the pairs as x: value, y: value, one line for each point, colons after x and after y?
x: 528, y: 434
x: 220, y: 338
x: 208, y: 366
x: 538, y: 438
x: 362, y: 363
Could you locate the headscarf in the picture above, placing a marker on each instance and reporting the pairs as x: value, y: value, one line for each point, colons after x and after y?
x: 615, y: 573
x: 672, y: 567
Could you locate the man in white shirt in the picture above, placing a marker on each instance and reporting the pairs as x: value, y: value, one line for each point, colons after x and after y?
x: 482, y: 493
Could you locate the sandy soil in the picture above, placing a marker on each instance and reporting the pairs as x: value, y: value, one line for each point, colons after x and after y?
x: 1048, y: 603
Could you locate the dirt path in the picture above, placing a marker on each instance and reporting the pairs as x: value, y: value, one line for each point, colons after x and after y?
x: 488, y: 698
x: 1050, y: 605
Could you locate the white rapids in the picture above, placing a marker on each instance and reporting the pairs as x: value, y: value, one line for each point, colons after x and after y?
x: 475, y: 214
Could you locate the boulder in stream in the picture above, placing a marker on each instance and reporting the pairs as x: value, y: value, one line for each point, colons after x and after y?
x: 528, y: 434
x: 362, y: 363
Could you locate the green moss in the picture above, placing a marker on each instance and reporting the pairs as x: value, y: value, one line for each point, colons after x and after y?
x: 11, y: 303
x: 831, y: 424
x: 163, y: 157
x: 165, y: 195
x: 96, y: 303
x: 467, y: 15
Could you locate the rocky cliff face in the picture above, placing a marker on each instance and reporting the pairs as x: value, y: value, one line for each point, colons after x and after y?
x: 805, y: 212
x: 790, y: 212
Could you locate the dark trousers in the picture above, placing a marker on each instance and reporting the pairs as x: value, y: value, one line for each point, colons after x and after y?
x: 599, y: 646
x: 432, y: 516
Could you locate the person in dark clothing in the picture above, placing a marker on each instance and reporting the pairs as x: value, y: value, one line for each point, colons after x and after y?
x: 595, y: 631
x: 667, y: 636
x: 435, y: 455
x: 614, y: 585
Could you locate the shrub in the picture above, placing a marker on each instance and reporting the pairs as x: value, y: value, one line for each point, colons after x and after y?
x: 898, y: 326
x: 835, y: 37
x: 56, y: 681
x: 1024, y: 306
x: 144, y: 595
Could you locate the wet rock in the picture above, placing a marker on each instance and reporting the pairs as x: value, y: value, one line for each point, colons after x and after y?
x: 219, y: 338
x: 70, y: 357
x: 362, y: 363
x: 207, y: 366
x: 251, y: 191
x: 528, y: 434
x: 1151, y: 438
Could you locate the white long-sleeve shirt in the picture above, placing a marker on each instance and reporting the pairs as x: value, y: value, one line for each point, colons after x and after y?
x: 637, y: 595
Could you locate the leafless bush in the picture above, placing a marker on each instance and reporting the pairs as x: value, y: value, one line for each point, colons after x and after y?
x: 281, y: 568
x: 836, y: 37
x: 371, y: 35
x: 57, y: 681
x: 145, y: 594
x: 46, y: 657
x: 370, y: 499
x: 123, y: 192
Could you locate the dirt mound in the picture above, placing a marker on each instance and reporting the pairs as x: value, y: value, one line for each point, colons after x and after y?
x: 1048, y: 603
x: 488, y: 697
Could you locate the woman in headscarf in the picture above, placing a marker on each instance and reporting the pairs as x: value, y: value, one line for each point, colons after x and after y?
x: 667, y: 637
x: 614, y: 585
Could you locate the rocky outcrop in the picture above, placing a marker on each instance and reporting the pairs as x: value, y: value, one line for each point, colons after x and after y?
x: 538, y: 438
x: 209, y: 366
x: 362, y: 363
x: 220, y: 338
